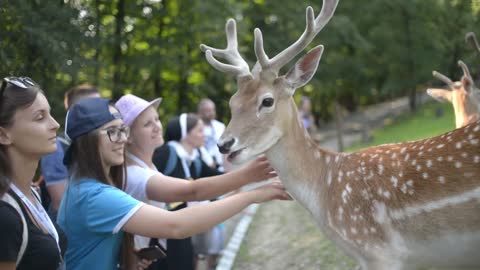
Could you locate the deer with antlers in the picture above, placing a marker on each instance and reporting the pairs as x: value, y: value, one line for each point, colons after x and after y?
x: 397, y: 206
x: 464, y: 96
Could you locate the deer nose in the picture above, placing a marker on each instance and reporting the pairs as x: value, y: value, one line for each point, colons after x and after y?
x: 225, y: 146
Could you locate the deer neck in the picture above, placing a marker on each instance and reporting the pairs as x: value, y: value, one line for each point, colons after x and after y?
x: 302, y: 167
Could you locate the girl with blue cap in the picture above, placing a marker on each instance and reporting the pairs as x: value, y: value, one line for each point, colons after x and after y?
x: 99, y: 217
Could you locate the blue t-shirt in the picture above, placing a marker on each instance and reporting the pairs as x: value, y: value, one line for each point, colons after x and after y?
x: 53, y: 170
x: 92, y: 215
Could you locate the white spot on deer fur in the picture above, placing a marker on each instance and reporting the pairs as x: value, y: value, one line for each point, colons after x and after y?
x: 394, y: 180
x: 327, y: 159
x: 425, y: 175
x: 440, y: 146
x: 373, y: 230
x: 458, y: 164
x: 400, y: 174
x: 420, y: 153
x: 329, y: 177
x: 440, y: 158
x: 380, y: 169
x: 429, y: 163
x: 348, y: 188
x: 474, y: 141
x: 421, y: 147
x: 476, y: 159
x: 468, y: 174
x: 476, y: 128
x: 386, y: 194
x: 403, y: 150
x: 449, y: 158
x: 411, y: 192
x: 470, y: 136
x: 317, y: 154
x: 353, y: 230
x: 409, y: 182
x: 441, y: 179
x: 365, y: 231
x: 464, y: 155
x: 407, y: 156
x: 458, y: 145
x: 404, y: 188
x: 411, y: 211
x: 344, y: 196
x: 394, y: 155
x: 414, y: 162
x: 419, y: 167
x: 337, y: 157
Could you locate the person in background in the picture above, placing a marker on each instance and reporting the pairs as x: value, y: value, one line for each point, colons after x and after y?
x: 54, y: 173
x: 212, y: 130
x: 305, y: 114
x: 146, y: 184
x: 99, y: 217
x: 29, y: 238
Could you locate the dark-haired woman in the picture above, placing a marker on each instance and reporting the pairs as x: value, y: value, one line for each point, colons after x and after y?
x: 29, y: 239
x: 95, y: 211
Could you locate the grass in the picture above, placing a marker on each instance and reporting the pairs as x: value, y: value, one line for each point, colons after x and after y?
x: 410, y: 126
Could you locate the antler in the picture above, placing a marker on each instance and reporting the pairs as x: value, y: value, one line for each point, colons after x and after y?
x: 464, y: 67
x: 313, y: 27
x: 443, y: 78
x: 472, y: 39
x: 238, y: 66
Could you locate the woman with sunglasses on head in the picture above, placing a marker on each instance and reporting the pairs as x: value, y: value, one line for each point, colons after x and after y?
x: 95, y: 213
x: 29, y: 239
x: 145, y: 183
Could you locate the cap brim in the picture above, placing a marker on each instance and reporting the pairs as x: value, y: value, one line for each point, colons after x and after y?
x: 156, y: 102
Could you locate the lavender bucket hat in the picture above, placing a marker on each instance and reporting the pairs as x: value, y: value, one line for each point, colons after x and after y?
x: 131, y: 106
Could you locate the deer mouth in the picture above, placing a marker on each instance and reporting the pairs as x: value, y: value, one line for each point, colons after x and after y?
x: 234, y: 154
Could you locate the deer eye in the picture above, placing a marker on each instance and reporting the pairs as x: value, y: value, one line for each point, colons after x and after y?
x: 267, y: 102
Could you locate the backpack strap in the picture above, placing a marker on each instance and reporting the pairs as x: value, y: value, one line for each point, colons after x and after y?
x: 10, y: 200
x: 171, y: 161
x: 197, y: 164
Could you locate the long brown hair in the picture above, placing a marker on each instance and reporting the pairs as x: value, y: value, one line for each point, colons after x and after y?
x: 86, y: 163
x: 12, y: 99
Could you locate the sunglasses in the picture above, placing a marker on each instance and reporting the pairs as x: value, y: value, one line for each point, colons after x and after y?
x: 21, y: 82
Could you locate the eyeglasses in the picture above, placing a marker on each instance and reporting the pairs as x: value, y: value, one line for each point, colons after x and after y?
x: 22, y: 82
x: 115, y: 133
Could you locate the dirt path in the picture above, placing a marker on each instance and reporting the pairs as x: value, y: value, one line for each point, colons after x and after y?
x: 284, y: 236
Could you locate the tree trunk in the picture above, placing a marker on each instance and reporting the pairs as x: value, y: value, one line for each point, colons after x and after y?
x: 411, y: 72
x: 117, y: 49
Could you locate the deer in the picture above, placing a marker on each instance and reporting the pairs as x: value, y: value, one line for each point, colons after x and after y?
x: 396, y: 206
x: 463, y: 94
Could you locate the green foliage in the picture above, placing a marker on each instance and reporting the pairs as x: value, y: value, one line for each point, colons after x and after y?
x: 375, y: 50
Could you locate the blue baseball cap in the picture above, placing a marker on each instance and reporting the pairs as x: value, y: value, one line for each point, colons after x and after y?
x: 84, y: 116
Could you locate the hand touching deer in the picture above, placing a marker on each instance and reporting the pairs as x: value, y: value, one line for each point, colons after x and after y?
x: 464, y: 96
x: 398, y: 206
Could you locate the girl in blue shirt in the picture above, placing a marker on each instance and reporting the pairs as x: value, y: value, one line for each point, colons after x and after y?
x: 99, y: 217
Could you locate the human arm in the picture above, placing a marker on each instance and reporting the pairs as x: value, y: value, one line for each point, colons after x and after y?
x: 158, y: 223
x: 56, y: 192
x: 169, y: 189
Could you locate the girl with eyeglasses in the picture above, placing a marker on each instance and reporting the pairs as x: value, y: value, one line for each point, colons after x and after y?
x: 29, y: 239
x: 98, y: 216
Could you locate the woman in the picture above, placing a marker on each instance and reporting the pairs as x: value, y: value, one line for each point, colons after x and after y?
x: 95, y: 212
x: 145, y: 183
x: 30, y: 240
x: 180, y: 157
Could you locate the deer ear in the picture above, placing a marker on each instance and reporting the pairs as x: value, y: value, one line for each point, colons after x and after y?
x: 304, y: 69
x: 440, y: 94
x: 467, y: 83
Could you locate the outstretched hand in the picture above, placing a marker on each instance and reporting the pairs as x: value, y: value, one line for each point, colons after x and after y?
x: 260, y: 169
x: 269, y: 192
